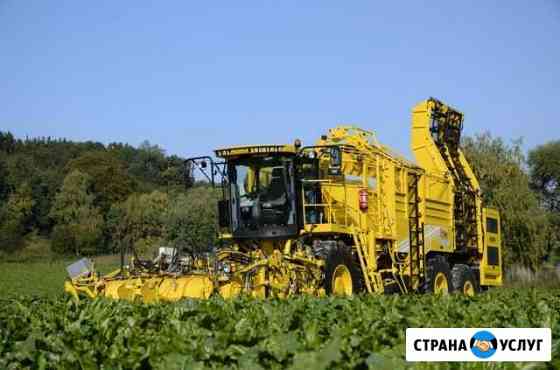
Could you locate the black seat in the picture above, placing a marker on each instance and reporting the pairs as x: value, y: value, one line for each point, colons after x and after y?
x: 274, y: 199
x: 276, y: 190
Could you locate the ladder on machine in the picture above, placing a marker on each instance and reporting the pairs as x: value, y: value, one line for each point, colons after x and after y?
x: 372, y: 279
x: 416, y: 235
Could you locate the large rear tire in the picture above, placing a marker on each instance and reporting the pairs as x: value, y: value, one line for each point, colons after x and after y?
x: 438, y: 276
x: 464, y: 280
x: 342, y: 274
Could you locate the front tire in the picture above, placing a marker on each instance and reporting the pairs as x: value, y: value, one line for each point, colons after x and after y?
x: 438, y: 276
x: 464, y: 281
x: 342, y: 274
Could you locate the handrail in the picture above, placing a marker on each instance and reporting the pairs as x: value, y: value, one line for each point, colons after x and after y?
x: 329, y: 209
x: 363, y: 263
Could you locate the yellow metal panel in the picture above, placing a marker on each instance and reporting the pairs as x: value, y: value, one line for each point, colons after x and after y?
x: 389, y: 190
x: 326, y: 229
x: 438, y: 238
x: 491, y: 274
x: 254, y: 149
x: 190, y: 286
x: 425, y: 151
x: 231, y: 289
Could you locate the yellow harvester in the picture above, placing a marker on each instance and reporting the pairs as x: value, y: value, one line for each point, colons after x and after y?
x: 344, y: 216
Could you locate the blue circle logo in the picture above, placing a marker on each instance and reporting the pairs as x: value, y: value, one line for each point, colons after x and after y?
x: 484, y: 344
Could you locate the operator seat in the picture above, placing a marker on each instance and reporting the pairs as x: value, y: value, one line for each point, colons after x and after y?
x: 274, y: 200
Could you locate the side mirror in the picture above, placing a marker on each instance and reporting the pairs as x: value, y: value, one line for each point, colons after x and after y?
x: 336, y: 161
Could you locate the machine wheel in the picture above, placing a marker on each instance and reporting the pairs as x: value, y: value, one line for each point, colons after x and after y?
x: 342, y: 275
x: 464, y: 280
x: 438, y: 276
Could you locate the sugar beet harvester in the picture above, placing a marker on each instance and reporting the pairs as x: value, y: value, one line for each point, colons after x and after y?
x: 345, y: 216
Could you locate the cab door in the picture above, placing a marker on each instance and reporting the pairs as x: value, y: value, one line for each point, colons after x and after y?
x: 491, y: 264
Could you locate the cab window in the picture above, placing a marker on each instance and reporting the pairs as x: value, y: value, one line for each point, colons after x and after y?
x: 492, y: 225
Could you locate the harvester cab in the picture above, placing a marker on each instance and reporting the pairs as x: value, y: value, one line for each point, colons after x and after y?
x: 343, y: 216
x: 259, y: 192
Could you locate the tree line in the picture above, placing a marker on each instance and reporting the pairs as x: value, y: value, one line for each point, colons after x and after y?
x: 526, y: 191
x: 90, y: 198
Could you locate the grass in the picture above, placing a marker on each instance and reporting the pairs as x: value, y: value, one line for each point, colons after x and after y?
x: 36, y: 271
x: 521, y: 277
x: 44, y: 278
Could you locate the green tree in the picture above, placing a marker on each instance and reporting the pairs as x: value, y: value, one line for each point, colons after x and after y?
x: 175, y: 176
x: 148, y: 164
x: 544, y: 169
x: 110, y: 180
x: 505, y: 186
x: 7, y: 142
x: 192, y: 217
x: 79, y: 223
x: 4, y: 189
x: 15, y: 218
x: 19, y: 169
x: 139, y: 222
x: 116, y: 171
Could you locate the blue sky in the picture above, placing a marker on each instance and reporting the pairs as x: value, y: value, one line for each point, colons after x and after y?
x: 191, y: 76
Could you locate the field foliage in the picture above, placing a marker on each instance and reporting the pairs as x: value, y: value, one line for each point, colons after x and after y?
x: 302, y: 333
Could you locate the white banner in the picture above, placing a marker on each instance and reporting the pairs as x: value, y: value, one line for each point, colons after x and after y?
x: 478, y: 345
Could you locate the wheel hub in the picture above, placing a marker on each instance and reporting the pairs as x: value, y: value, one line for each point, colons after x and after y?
x: 468, y: 289
x: 342, y: 281
x: 440, y: 284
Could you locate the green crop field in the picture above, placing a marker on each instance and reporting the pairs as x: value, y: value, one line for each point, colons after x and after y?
x: 42, y: 278
x: 42, y: 328
x: 301, y: 333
